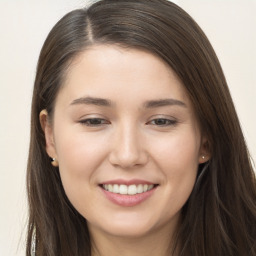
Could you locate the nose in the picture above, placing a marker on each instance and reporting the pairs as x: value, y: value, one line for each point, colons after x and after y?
x: 128, y: 150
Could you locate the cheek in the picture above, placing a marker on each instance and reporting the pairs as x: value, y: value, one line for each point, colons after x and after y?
x: 177, y: 159
x: 177, y: 149
x: 79, y: 156
x: 79, y: 153
x: 78, y: 166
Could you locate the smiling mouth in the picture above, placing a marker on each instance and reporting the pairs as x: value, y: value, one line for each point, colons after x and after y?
x: 132, y: 189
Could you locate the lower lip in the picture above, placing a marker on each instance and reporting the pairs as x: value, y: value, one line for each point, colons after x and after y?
x: 128, y: 200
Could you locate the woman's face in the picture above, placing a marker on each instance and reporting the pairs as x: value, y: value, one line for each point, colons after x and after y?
x: 126, y: 139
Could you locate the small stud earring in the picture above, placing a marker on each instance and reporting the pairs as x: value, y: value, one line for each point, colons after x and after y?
x: 203, y: 157
x: 55, y: 162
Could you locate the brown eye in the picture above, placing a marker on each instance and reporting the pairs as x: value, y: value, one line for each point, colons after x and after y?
x: 94, y: 122
x: 162, y: 122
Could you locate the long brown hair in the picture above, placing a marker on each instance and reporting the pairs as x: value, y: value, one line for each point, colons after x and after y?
x: 219, y: 218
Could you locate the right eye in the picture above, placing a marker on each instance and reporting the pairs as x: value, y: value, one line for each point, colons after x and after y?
x: 94, y: 122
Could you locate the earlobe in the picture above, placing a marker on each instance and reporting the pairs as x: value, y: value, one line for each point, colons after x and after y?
x: 204, y: 153
x: 48, y: 133
x: 55, y: 162
x: 203, y: 159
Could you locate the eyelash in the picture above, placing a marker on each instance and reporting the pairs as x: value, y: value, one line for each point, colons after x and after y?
x: 168, y: 122
x: 87, y: 122
x: 100, y: 122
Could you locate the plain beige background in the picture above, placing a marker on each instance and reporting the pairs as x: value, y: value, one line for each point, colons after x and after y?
x: 24, y: 25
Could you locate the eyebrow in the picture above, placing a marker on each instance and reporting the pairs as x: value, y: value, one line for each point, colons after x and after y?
x: 163, y: 102
x: 107, y: 103
x: 92, y: 101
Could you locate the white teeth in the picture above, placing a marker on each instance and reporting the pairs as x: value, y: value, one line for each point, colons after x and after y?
x: 128, y: 190
x: 116, y: 188
x: 110, y: 188
x: 123, y: 189
x: 139, y: 189
x: 132, y: 190
x: 150, y: 186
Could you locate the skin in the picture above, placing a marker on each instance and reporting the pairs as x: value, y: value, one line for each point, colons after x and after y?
x: 159, y: 144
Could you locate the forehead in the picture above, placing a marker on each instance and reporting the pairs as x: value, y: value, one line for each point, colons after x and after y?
x: 116, y: 72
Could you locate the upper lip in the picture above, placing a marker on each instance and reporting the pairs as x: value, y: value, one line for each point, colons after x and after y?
x: 128, y: 182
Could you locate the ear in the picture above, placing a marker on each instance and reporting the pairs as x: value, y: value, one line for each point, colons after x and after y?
x: 204, y: 152
x: 48, y: 133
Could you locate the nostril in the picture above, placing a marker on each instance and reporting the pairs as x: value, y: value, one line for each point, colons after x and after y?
x: 127, y: 160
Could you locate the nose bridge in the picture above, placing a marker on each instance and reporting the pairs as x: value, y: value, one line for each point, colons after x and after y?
x: 129, y: 140
x: 128, y: 149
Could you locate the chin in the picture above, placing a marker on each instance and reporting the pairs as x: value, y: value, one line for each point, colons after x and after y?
x: 130, y: 226
x: 128, y: 231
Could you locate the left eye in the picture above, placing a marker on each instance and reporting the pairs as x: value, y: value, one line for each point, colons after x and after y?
x: 94, y: 122
x: 162, y: 122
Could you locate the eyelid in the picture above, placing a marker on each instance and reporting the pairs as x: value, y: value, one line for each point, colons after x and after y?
x: 101, y: 121
x: 171, y: 121
x: 85, y: 121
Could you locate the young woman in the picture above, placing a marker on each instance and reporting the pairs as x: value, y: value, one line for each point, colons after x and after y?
x: 136, y: 148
